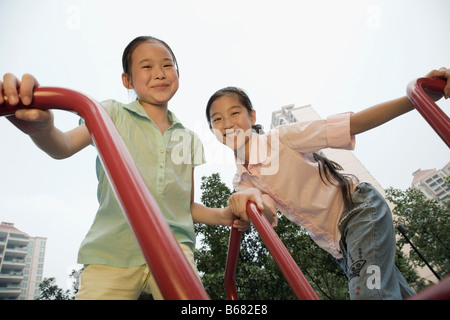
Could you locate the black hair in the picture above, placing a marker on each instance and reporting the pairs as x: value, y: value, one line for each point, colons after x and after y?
x: 238, y: 94
x: 128, y: 52
x: 329, y: 170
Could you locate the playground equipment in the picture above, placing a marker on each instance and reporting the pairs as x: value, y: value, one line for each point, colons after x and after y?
x: 288, y: 267
x: 174, y: 276
x: 418, y: 92
x: 172, y: 272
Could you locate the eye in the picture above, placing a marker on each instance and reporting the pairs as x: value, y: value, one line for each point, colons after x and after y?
x: 216, y: 119
x: 146, y: 67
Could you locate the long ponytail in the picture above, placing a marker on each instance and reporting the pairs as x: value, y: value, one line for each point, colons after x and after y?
x: 328, y: 171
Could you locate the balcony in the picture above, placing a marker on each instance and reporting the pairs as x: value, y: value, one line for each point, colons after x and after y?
x: 11, y: 277
x: 15, y: 252
x: 11, y: 292
x: 18, y: 240
x: 13, y: 263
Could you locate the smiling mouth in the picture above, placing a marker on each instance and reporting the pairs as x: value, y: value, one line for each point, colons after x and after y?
x: 160, y: 87
x: 231, y: 134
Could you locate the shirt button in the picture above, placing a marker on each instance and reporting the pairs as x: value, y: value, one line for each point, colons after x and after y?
x: 162, y: 150
x: 161, y: 165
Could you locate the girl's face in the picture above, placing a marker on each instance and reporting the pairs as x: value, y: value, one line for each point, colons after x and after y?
x: 231, y: 122
x: 154, y: 76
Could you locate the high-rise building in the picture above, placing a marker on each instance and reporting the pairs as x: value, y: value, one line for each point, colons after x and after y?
x: 21, y: 263
x: 346, y: 158
x: 432, y: 183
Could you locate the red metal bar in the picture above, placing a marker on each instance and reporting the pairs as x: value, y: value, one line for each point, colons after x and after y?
x: 231, y: 265
x: 418, y: 92
x: 439, y: 291
x: 172, y: 272
x: 288, y: 267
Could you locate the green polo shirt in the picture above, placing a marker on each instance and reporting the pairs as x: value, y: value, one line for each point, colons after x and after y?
x: 165, y: 162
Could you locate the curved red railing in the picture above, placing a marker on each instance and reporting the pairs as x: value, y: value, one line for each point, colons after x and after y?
x: 288, y: 267
x: 172, y: 272
x: 418, y: 92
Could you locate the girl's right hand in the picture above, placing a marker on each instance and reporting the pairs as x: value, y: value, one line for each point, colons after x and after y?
x: 31, y: 121
x: 238, y: 202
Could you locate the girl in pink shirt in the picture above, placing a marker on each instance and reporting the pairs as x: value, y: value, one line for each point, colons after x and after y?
x: 281, y: 169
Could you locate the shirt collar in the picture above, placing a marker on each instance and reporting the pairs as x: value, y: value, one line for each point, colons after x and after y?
x: 137, y: 108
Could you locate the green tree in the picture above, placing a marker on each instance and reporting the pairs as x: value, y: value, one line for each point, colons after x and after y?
x: 50, y: 291
x: 258, y: 277
x: 427, y: 222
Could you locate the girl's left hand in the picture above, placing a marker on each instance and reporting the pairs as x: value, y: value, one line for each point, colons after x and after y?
x: 442, y: 73
x: 238, y: 202
x: 241, y: 225
x: 232, y: 220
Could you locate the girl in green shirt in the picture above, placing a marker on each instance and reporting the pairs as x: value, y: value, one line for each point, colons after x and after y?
x: 114, y: 265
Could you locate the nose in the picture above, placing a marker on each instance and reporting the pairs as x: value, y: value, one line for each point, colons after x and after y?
x: 227, y: 123
x: 159, y: 73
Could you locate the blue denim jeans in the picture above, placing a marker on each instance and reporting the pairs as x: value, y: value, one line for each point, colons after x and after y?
x: 368, y: 246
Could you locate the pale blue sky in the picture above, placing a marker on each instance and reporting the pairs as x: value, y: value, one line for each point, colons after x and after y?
x: 336, y: 55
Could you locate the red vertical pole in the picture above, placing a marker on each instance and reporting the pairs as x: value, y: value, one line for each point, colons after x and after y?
x: 231, y: 264
x: 288, y: 267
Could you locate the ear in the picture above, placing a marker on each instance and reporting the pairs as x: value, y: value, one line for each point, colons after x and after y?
x: 126, y: 81
x: 253, y: 115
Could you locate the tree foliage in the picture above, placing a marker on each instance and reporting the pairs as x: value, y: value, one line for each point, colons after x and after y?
x: 258, y: 277
x: 50, y: 291
x: 428, y: 226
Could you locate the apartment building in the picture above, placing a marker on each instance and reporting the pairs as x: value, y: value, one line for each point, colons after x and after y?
x: 432, y: 183
x: 21, y: 263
